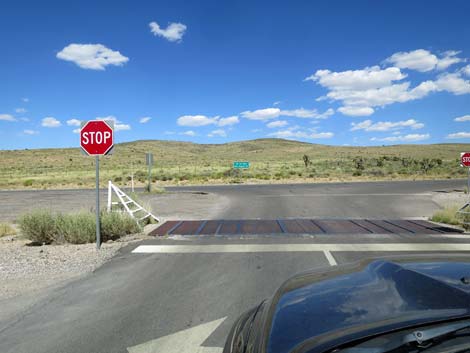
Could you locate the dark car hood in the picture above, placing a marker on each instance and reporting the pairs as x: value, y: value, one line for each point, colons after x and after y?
x: 316, y: 311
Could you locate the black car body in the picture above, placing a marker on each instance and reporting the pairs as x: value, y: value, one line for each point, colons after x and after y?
x: 323, y: 310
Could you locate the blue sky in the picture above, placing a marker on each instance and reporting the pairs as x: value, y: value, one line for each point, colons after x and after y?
x: 332, y: 72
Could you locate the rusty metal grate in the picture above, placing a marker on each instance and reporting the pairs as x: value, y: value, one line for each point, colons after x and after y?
x: 299, y: 226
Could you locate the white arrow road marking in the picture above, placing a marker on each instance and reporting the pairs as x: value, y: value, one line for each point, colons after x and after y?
x: 255, y: 248
x: 186, y: 341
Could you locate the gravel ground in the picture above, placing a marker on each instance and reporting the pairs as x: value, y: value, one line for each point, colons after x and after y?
x: 446, y: 199
x: 27, y: 269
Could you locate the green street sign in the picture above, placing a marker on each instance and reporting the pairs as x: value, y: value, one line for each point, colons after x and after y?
x: 241, y: 165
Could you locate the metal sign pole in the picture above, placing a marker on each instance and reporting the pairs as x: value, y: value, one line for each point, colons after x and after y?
x: 150, y: 177
x: 98, y: 230
x: 468, y: 186
x: 149, y: 162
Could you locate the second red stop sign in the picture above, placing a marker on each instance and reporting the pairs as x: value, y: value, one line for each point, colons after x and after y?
x: 96, y: 137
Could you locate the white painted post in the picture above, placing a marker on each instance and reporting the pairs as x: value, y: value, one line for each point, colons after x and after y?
x: 109, y: 196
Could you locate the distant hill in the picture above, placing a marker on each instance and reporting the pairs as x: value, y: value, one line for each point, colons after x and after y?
x: 271, y: 159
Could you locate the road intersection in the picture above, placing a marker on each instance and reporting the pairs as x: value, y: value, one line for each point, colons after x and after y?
x: 190, y: 289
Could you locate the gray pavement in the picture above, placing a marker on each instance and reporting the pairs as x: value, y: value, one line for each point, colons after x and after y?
x: 139, y: 297
x: 323, y: 200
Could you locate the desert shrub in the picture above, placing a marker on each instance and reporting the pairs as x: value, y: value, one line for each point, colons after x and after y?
x: 426, y: 164
x: 6, y: 229
x: 115, y: 225
x: 117, y: 179
x: 232, y: 172
x: 359, y: 164
x: 306, y: 160
x: 39, y: 227
x: 78, y: 228
x: 28, y: 182
x: 376, y: 172
x: 446, y: 215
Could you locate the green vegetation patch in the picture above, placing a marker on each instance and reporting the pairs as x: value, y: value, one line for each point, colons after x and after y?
x: 46, y: 227
x: 450, y: 215
x: 189, y: 163
x: 6, y: 229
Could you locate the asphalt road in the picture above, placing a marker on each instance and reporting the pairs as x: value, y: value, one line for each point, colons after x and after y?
x: 138, y: 297
x: 327, y: 200
x: 330, y: 200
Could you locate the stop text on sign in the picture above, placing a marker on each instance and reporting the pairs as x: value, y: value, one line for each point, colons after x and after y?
x: 96, y: 137
x: 465, y: 159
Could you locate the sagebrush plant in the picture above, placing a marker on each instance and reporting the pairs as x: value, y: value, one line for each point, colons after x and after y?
x: 39, y: 226
x: 78, y: 228
x: 447, y: 215
x: 6, y: 229
x: 270, y: 159
x: 450, y: 215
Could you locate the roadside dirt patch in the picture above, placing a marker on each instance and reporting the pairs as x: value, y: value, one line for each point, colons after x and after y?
x: 27, y: 269
x: 450, y: 198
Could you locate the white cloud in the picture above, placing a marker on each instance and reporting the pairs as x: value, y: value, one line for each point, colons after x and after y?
x: 420, y: 60
x: 368, y: 125
x: 50, y: 122
x: 262, y: 114
x: 169, y: 132
x: 218, y: 132
x: 322, y: 135
x: 277, y: 102
x: 196, y: 120
x: 26, y: 100
x: 76, y: 131
x: 24, y: 119
x: 7, y: 117
x: 73, y: 122
x: 174, y: 32
x: 466, y: 70
x: 299, y: 113
x: 92, y: 56
x: 462, y: 118
x: 361, y: 91
x: 453, y: 83
x: 403, y: 138
x: 145, y: 119
x: 307, y: 113
x: 188, y: 133
x: 30, y: 132
x: 459, y: 135
x: 231, y: 120
x: 367, y: 78
x: 356, y: 111
x: 448, y: 58
x: 423, y: 60
x: 118, y: 125
x: 277, y: 124
x: 202, y: 120
x: 273, y: 113
x: 325, y: 114
x: 20, y: 110
x: 294, y: 132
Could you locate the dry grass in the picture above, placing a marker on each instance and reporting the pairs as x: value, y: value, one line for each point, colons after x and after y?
x: 272, y: 160
x: 6, y: 229
x: 447, y: 215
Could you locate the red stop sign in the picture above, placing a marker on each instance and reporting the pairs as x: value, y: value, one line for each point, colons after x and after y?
x: 96, y: 137
x: 465, y: 159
